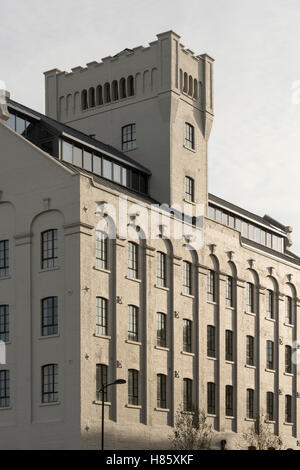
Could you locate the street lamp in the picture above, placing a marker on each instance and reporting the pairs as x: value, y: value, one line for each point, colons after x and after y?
x: 102, y: 390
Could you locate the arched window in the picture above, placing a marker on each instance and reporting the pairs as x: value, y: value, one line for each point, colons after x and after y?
x: 99, y: 95
x: 185, y: 82
x: 50, y: 383
x: 115, y: 92
x: 91, y: 97
x: 107, y: 93
x: 122, y: 88
x: 190, y: 85
x: 195, y: 96
x: 133, y: 387
x: 130, y: 85
x: 181, y: 80
x: 84, y: 102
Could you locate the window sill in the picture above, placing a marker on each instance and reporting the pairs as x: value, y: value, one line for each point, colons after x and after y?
x: 99, y: 402
x: 250, y: 313
x: 101, y: 270
x: 268, y: 421
x: 187, y: 412
x: 161, y: 348
x: 252, y: 420
x: 189, y: 202
x: 211, y: 415
x: 52, y: 403
x: 161, y: 287
x: 212, y: 302
x: 5, y: 408
x: 134, y: 279
x: 49, y: 336
x: 272, y: 371
x: 249, y: 366
x: 288, y: 374
x: 270, y: 319
x: 229, y: 417
x: 190, y: 296
x: 211, y: 358
x: 188, y: 148
x: 47, y: 270
x: 136, y: 407
x: 287, y: 424
x: 130, y: 341
x: 230, y: 362
x: 97, y: 335
x: 186, y: 353
x: 163, y: 410
x: 3, y: 278
x: 130, y: 150
x: 229, y: 308
x: 290, y: 325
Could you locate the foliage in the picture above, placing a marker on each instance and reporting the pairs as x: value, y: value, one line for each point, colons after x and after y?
x: 191, y: 431
x: 261, y: 437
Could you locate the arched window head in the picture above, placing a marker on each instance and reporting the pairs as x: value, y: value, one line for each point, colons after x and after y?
x: 115, y: 91
x: 195, y: 96
x: 84, y: 102
x: 107, y: 93
x: 91, y: 97
x: 190, y: 85
x: 122, y: 88
x: 185, y: 82
x: 130, y: 86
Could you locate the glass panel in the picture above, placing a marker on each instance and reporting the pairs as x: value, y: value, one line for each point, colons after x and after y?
x: 67, y: 152
x: 77, y: 156
x: 12, y: 121
x: 143, y: 184
x: 251, y: 232
x: 211, y: 212
x: 231, y: 221
x: 107, y: 169
x: 269, y: 240
x: 97, y: 165
x: 135, y: 180
x: 117, y: 173
x: 238, y: 224
x: 87, y: 161
x: 20, y: 125
x: 125, y: 177
x: 218, y: 215
x: 263, y: 237
x: 225, y: 218
x: 245, y: 229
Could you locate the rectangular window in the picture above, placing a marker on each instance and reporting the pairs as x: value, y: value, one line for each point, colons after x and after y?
x: 50, y: 383
x: 4, y: 323
x: 161, y: 329
x: 49, y: 249
x: 229, y: 345
x: 288, y: 359
x: 129, y: 137
x: 211, y: 341
x: 101, y: 249
x: 211, y: 290
x: 187, y: 277
x: 270, y: 355
x: 229, y: 400
x: 189, y: 140
x: 97, y: 165
x: 101, y: 379
x: 133, y: 387
x: 4, y: 389
x: 229, y: 291
x: 270, y: 406
x: 67, y: 152
x: 250, y: 350
x: 250, y: 403
x: 117, y: 173
x: 101, y: 316
x: 77, y: 156
x: 161, y: 391
x: 189, y: 189
x: 49, y: 316
x: 161, y: 278
x: 107, y: 169
x: 187, y: 335
x: 289, y: 310
x: 132, y: 260
x: 211, y: 398
x: 250, y: 297
x: 187, y: 395
x: 4, y: 258
x: 288, y: 409
x: 87, y: 161
x: 133, y: 334
x: 270, y: 304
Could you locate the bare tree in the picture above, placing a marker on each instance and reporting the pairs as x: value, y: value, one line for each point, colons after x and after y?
x: 191, y: 431
x: 261, y: 437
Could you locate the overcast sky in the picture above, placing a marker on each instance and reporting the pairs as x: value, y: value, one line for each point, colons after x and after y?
x: 255, y: 143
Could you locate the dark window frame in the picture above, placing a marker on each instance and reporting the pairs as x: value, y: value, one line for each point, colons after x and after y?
x: 4, y: 258
x: 50, y: 387
x: 4, y: 323
x: 49, y: 328
x: 49, y: 249
x: 133, y: 387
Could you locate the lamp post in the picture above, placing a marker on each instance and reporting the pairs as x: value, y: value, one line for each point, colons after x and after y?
x: 102, y: 390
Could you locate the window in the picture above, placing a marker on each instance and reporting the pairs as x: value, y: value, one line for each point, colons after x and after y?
x: 229, y: 400
x: 161, y: 329
x: 101, y: 250
x: 49, y: 249
x: 161, y: 277
x: 288, y: 359
x: 189, y: 140
x: 4, y: 323
x: 288, y: 409
x: 270, y: 406
x: 129, y: 137
x: 123, y: 88
x: 133, y: 325
x: 101, y: 316
x: 187, y: 335
x: 101, y: 379
x: 289, y: 310
x: 77, y: 156
x: 50, y: 383
x: 250, y: 297
x: 270, y: 355
x: 250, y: 403
x: 132, y: 260
x: 250, y: 350
x: 211, y: 341
x: 4, y: 259
x: 107, y: 169
x: 4, y: 389
x: 187, y: 395
x: 211, y: 281
x: 87, y: 161
x: 133, y: 387
x: 229, y: 291
x: 229, y: 345
x: 107, y: 93
x: 49, y: 316
x: 161, y: 391
x: 84, y: 100
x: 270, y: 304
x: 211, y: 398
x: 130, y: 85
x: 189, y: 189
x: 67, y: 152
x: 187, y: 277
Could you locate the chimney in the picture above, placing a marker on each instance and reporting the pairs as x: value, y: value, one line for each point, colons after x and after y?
x: 4, y: 97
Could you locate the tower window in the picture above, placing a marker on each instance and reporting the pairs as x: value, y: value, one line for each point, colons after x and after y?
x: 189, y: 189
x: 161, y: 391
x: 50, y: 383
x: 101, y: 379
x: 4, y: 265
x: 133, y: 387
x: 189, y: 136
x: 211, y: 398
x: 129, y: 137
x: 49, y: 249
x: 133, y: 325
x: 49, y: 316
x: 4, y: 323
x: 4, y: 389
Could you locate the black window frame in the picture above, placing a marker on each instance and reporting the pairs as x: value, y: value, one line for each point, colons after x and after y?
x: 187, y: 331
x: 101, y: 316
x: 49, y: 328
x: 250, y: 403
x: 133, y: 323
x: 211, y: 398
x: 250, y: 350
x: 187, y: 277
x: 270, y: 406
x: 133, y: 260
x: 189, y: 189
x: 229, y: 291
x: 4, y: 388
x: 129, y: 137
x: 51, y: 261
x: 229, y: 346
x: 211, y: 341
x: 101, y: 250
x: 4, y: 323
x: 161, y: 401
x: 101, y: 379
x: 161, y: 329
x: 133, y: 387
x: 288, y: 409
x: 270, y: 355
x: 189, y: 136
x: 52, y: 395
x: 161, y: 269
x: 187, y: 394
x: 288, y: 359
x: 4, y: 258
x: 229, y: 400
x: 211, y: 285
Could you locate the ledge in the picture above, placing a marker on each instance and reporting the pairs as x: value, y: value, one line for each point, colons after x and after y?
x: 288, y: 424
x: 249, y: 366
x: 229, y: 417
x: 4, y: 278
x: 163, y: 410
x: 161, y: 287
x: 190, y: 296
x: 133, y: 279
x: 212, y: 302
x: 99, y: 402
x: 229, y: 308
x: 272, y: 371
x: 211, y: 358
x: 230, y: 362
x: 102, y: 270
x: 52, y: 403
x: 270, y: 319
x: 162, y: 348
x: 252, y: 420
x: 188, y: 148
x: 288, y: 374
x: 289, y: 325
x: 270, y: 422
x: 130, y: 341
x: 136, y: 407
x: 211, y: 415
x: 5, y: 408
x: 47, y: 270
x: 97, y: 335
x: 186, y: 353
x: 49, y: 336
x: 250, y: 313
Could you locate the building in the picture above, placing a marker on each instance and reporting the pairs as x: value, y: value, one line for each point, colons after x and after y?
x: 212, y: 327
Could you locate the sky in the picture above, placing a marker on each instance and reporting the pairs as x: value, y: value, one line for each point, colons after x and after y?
x: 254, y: 146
